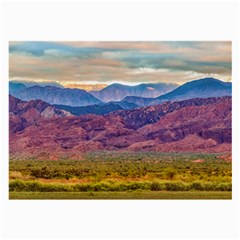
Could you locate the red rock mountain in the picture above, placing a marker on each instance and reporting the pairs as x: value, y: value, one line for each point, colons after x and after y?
x: 195, y: 125
x: 23, y: 114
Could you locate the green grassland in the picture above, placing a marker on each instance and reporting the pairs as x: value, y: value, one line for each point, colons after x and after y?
x: 122, y: 175
x: 193, y: 195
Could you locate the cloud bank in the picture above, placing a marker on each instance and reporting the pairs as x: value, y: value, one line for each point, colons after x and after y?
x: 93, y: 65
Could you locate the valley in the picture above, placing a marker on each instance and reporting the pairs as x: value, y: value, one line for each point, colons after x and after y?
x: 68, y: 144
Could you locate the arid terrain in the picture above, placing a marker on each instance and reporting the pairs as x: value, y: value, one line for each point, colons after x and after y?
x: 195, y: 125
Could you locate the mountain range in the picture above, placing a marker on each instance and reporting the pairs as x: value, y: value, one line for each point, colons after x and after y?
x: 80, y: 102
x: 56, y: 95
x: 33, y: 83
x: 193, y: 125
x: 117, y: 92
x: 202, y: 88
x: 15, y: 87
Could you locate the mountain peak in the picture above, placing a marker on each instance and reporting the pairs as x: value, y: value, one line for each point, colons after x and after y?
x: 34, y: 109
x: 205, y: 87
x: 207, y: 80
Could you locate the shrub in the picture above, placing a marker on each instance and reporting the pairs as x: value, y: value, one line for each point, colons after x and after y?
x: 34, y: 186
x: 210, y: 186
x: 100, y: 187
x: 55, y: 187
x: 197, y: 186
x: 16, y: 185
x: 170, y: 173
x: 156, y: 186
x: 175, y: 186
x: 224, y: 187
x: 118, y: 187
x: 81, y: 187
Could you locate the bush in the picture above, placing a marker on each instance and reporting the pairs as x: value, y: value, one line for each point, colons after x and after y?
x: 210, y: 186
x: 156, y: 186
x: 170, y: 173
x: 224, y: 187
x: 118, y: 187
x: 175, y: 186
x: 34, y: 186
x: 54, y: 187
x: 100, y: 187
x: 81, y: 187
x: 197, y: 186
x: 16, y: 185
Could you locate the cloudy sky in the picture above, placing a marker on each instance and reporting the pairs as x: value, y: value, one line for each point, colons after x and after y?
x: 94, y: 65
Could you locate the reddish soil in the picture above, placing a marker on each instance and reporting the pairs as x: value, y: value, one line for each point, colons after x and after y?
x: 195, y: 125
x: 198, y: 161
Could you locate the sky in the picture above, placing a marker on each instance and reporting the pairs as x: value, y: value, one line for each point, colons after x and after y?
x: 94, y: 65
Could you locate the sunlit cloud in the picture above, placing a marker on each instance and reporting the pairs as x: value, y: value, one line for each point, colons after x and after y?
x: 85, y: 64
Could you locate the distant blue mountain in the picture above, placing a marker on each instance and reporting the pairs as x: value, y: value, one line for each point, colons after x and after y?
x: 14, y: 87
x: 117, y: 92
x: 137, y: 101
x: 55, y: 95
x: 202, y: 88
x: 33, y: 83
x: 91, y: 109
x: 126, y: 105
x: 98, y: 109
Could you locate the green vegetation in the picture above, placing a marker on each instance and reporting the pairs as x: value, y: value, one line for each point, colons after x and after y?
x: 122, y: 172
x: 112, y: 186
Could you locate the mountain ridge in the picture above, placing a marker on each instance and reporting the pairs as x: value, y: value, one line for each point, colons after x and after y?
x: 116, y: 91
x: 200, y: 88
x: 55, y: 95
x: 35, y: 83
x: 25, y: 113
x: 199, y: 125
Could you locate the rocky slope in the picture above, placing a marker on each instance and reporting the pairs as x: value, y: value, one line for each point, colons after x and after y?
x: 196, y: 125
x: 23, y: 114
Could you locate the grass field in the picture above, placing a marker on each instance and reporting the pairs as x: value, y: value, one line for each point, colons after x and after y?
x: 113, y: 175
x: 121, y: 195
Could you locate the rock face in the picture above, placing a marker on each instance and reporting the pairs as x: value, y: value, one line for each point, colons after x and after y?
x: 56, y: 95
x: 196, y: 125
x: 23, y: 114
x: 210, y: 120
x: 117, y: 92
x: 139, y: 117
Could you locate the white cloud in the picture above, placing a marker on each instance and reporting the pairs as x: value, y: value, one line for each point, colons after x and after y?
x: 149, y: 70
